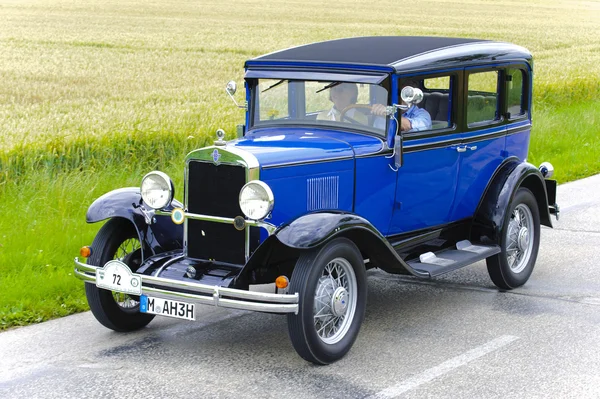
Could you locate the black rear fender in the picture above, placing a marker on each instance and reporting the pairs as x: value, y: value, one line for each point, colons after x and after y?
x: 159, y: 236
x: 509, y: 177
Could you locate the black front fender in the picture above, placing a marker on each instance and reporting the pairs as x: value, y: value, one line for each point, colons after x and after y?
x: 315, y: 229
x: 160, y: 236
x: 491, y: 212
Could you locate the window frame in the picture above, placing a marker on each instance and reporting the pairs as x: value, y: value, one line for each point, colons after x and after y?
x: 525, y: 92
x: 299, y: 96
x: 500, y: 101
x: 455, y: 76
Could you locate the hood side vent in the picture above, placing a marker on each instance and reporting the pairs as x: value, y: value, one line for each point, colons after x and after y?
x: 322, y: 193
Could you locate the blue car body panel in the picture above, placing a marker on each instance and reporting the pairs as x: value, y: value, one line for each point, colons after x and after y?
x: 426, y: 185
x: 276, y: 146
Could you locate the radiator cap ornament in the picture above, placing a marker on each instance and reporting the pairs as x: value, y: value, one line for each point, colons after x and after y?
x: 220, y: 138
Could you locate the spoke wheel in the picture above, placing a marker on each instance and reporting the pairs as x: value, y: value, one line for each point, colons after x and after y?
x: 117, y: 239
x: 331, y: 283
x: 520, y: 241
x: 335, y: 301
x: 129, y: 252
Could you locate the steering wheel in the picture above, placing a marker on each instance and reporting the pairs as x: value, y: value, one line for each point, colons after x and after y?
x: 353, y: 106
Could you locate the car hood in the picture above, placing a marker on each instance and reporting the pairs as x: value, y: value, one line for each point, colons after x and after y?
x: 284, y: 146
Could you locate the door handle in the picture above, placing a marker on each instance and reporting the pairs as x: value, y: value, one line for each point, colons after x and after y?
x: 464, y: 148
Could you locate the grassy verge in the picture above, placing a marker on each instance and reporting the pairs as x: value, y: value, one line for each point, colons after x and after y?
x: 43, y: 228
x: 567, y: 137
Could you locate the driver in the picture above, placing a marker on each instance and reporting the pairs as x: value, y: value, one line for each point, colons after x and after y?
x: 343, y: 95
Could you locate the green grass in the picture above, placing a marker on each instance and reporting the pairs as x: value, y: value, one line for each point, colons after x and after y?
x: 94, y: 94
x: 567, y: 137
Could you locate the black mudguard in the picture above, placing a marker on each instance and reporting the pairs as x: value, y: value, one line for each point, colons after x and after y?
x: 490, y: 215
x: 160, y: 236
x: 315, y: 229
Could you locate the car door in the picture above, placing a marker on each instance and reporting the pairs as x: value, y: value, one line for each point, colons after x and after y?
x: 426, y: 182
x: 483, y: 144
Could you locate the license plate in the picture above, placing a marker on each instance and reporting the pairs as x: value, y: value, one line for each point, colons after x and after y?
x: 167, y: 307
x: 116, y: 276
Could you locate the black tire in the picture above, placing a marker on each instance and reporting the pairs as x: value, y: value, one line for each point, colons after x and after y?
x: 308, y: 276
x: 505, y: 273
x: 102, y: 302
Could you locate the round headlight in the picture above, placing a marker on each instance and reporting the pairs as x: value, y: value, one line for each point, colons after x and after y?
x: 157, y: 190
x: 256, y: 200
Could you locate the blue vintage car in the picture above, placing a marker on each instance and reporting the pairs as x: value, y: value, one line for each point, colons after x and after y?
x: 407, y: 154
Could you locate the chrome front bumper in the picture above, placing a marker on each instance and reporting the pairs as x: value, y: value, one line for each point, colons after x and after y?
x: 203, y: 293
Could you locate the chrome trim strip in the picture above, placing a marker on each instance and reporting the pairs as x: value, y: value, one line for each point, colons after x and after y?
x: 247, y: 243
x: 206, y: 294
x: 167, y: 263
x: 230, y: 155
x: 473, y: 139
x: 309, y: 162
x: 217, y: 219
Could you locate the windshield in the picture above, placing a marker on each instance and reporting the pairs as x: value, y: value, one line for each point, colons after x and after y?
x: 319, y: 103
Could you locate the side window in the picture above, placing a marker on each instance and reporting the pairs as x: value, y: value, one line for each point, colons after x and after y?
x: 515, y: 91
x: 482, y: 102
x: 437, y: 100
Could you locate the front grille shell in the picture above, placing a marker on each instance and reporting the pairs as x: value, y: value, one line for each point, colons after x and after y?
x: 212, y: 188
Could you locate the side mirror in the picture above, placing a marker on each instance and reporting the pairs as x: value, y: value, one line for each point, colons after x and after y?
x: 411, y: 95
x: 231, y: 88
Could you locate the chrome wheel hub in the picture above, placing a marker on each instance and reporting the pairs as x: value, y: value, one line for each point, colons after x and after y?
x: 519, y: 238
x: 523, y: 238
x: 339, y: 302
x: 335, y: 301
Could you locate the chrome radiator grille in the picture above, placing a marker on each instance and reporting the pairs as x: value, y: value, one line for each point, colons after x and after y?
x: 214, y: 190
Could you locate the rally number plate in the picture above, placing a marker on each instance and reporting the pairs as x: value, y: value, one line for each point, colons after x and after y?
x: 167, y: 307
x: 116, y: 276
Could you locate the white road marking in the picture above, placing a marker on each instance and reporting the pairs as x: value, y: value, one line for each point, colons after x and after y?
x: 444, y: 368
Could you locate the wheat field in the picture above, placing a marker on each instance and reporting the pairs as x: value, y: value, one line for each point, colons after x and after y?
x: 92, y: 68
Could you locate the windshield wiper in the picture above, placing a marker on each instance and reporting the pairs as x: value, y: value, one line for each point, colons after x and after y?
x: 329, y: 86
x: 273, y: 85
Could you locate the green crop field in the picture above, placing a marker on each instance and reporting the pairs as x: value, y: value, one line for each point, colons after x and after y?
x: 94, y: 94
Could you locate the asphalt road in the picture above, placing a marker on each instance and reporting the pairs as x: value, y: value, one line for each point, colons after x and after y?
x: 452, y: 337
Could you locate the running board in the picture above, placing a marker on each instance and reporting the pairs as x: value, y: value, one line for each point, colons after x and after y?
x: 448, y: 260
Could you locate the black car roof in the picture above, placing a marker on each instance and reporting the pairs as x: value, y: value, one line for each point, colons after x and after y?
x: 395, y: 52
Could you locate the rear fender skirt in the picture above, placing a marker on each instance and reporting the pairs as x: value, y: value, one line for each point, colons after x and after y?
x: 162, y: 235
x: 491, y: 211
x: 315, y: 229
